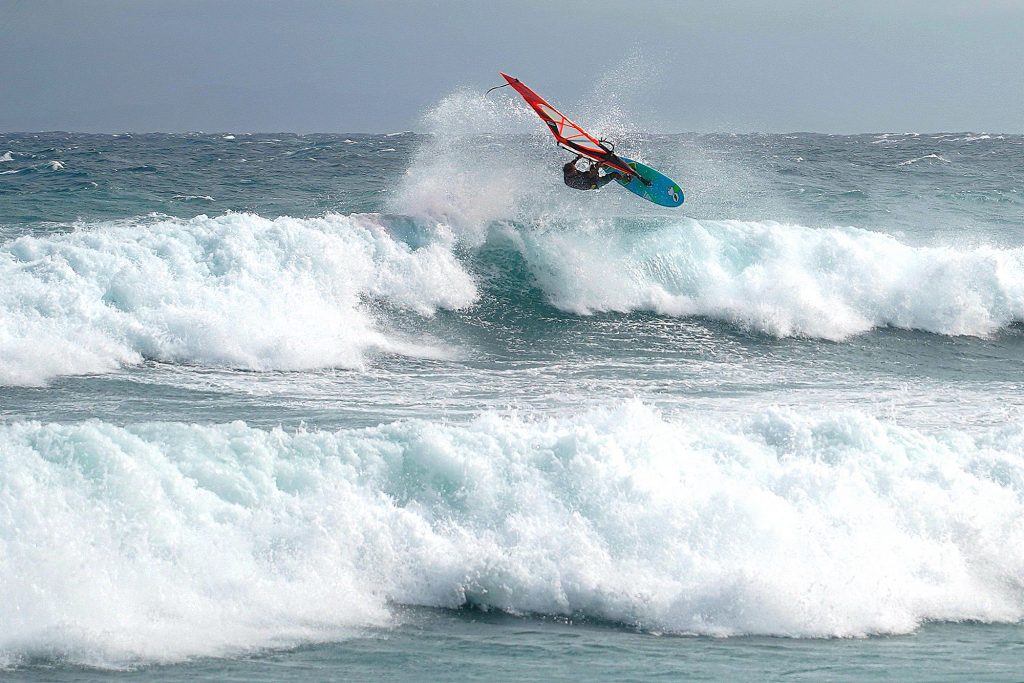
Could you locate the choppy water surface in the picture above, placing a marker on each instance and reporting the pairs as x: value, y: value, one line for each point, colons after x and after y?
x: 279, y: 406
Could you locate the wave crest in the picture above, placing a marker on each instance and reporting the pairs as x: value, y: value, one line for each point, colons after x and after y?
x: 236, y: 290
x: 783, y: 280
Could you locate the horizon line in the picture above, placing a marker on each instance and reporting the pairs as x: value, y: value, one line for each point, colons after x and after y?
x: 413, y: 132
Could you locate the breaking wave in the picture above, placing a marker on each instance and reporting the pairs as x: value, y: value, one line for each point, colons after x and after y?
x: 782, y: 280
x: 236, y: 290
x: 769, y: 277
x: 247, y: 292
x: 187, y: 540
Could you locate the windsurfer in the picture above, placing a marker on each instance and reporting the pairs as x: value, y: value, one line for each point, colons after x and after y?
x: 589, y: 179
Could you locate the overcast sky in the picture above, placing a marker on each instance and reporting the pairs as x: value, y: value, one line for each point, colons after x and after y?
x: 378, y: 65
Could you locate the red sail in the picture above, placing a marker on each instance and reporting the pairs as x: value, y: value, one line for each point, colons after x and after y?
x: 567, y: 133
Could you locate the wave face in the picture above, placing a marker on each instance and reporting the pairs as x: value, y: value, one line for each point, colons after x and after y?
x: 236, y: 290
x: 189, y: 540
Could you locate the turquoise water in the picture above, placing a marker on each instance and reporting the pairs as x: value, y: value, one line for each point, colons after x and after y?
x: 402, y: 406
x: 474, y: 646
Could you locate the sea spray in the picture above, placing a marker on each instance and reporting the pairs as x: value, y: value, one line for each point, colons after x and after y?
x: 490, y: 159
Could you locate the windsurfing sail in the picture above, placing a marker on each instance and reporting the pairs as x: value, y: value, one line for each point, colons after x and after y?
x: 568, y: 134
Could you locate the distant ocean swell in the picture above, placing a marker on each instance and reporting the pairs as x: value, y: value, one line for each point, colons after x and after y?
x: 248, y: 292
x: 188, y: 540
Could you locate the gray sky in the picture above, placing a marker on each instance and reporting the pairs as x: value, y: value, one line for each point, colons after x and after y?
x: 375, y: 66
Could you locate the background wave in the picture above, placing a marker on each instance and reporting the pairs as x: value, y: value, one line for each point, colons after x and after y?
x: 777, y: 279
x: 236, y: 290
x: 243, y: 291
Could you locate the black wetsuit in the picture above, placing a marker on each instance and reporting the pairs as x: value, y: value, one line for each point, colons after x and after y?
x: 585, y: 180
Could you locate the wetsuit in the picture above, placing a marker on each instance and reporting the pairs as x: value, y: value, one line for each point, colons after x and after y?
x: 585, y: 180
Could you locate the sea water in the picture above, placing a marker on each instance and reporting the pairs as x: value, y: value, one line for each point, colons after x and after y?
x: 288, y: 407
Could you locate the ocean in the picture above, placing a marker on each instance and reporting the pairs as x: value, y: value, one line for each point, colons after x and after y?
x: 404, y: 407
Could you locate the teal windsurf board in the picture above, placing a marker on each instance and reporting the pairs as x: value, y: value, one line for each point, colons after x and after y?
x: 662, y: 190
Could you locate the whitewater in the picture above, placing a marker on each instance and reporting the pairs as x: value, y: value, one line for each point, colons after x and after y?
x: 338, y: 400
x: 185, y: 290
x: 208, y: 539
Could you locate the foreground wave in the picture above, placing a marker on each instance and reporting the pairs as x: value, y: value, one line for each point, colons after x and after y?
x: 287, y: 294
x: 158, y: 542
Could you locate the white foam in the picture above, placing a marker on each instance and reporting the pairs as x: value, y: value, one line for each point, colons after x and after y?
x: 936, y: 157
x: 55, y: 165
x: 784, y: 280
x: 460, y: 177
x: 237, y: 290
x: 159, y: 542
x: 7, y: 156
